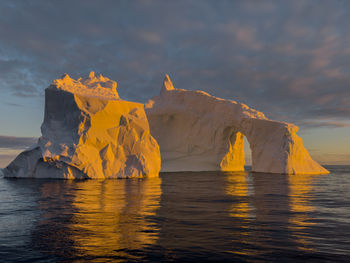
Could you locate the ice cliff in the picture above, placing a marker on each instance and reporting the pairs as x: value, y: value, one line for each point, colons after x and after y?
x: 199, y: 132
x: 88, y: 132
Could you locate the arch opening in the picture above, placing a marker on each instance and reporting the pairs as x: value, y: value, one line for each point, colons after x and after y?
x: 247, y: 155
x: 238, y: 154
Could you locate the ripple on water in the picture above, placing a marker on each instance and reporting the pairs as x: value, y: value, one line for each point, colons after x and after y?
x: 206, y: 216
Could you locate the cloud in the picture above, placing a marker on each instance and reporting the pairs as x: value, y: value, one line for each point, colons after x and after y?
x: 288, y: 59
x: 324, y: 124
x: 5, y: 159
x: 11, y: 146
x: 11, y: 142
x: 244, y: 35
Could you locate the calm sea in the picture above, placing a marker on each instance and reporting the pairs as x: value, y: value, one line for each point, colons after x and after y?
x: 206, y: 216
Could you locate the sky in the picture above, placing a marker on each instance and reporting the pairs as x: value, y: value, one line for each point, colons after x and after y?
x: 288, y: 59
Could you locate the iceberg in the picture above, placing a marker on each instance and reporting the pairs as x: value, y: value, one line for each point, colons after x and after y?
x: 199, y: 132
x: 89, y: 132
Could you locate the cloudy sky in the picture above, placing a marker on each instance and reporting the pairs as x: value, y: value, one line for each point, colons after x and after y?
x: 289, y: 59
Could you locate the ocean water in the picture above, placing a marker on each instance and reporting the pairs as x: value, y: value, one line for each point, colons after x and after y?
x: 179, y: 217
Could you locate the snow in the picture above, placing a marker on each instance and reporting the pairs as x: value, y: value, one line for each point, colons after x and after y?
x: 199, y: 132
x: 92, y: 86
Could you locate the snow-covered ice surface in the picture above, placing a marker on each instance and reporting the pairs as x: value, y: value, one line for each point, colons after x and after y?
x: 88, y: 132
x: 92, y: 86
x: 200, y: 132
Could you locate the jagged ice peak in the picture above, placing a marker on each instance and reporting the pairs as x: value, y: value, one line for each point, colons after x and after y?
x: 91, y: 86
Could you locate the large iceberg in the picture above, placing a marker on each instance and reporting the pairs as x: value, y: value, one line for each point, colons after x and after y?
x: 199, y: 132
x: 89, y: 132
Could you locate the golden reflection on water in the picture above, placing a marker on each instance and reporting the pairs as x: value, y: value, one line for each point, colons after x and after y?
x: 237, y: 186
x: 97, y: 220
x: 111, y: 215
x: 300, y: 187
x: 276, y: 201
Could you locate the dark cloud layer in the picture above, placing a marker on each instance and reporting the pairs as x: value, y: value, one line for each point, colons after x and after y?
x: 323, y: 124
x: 290, y: 59
x: 11, y: 146
x: 11, y: 142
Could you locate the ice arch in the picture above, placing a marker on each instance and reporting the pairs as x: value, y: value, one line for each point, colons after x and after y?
x: 199, y: 132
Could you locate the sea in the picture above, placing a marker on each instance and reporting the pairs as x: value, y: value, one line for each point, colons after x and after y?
x: 178, y: 217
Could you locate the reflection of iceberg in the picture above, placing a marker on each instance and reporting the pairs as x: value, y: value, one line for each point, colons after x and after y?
x: 97, y: 219
x: 281, y: 205
x: 300, y: 188
x: 194, y: 214
x: 17, y: 216
x: 270, y: 213
x: 51, y: 234
x: 112, y: 215
x: 270, y: 198
x: 238, y: 187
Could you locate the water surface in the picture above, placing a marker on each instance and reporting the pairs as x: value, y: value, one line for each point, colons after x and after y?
x: 206, y: 216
